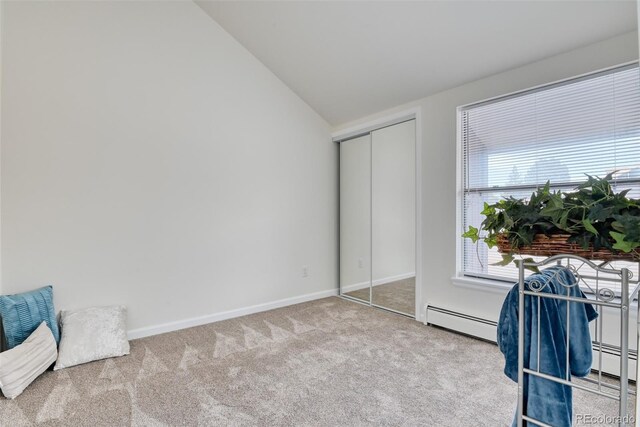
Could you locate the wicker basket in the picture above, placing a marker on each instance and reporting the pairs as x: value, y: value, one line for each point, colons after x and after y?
x: 557, y: 244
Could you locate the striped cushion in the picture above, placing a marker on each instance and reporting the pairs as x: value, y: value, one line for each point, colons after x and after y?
x: 24, y: 363
x: 22, y: 313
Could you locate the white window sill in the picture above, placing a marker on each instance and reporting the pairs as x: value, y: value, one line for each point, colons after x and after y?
x: 500, y: 287
x: 495, y: 286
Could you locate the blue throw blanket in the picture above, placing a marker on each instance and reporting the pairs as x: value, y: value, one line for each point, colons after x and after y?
x: 545, y: 400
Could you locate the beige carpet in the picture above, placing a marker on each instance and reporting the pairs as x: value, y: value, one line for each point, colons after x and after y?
x: 399, y: 295
x: 330, y: 362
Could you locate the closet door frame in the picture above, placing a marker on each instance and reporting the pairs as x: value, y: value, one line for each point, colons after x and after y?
x: 367, y: 128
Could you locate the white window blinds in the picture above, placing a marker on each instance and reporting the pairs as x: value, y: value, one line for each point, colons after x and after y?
x: 511, y: 145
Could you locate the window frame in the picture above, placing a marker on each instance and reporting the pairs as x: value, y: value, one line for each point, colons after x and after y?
x: 489, y: 282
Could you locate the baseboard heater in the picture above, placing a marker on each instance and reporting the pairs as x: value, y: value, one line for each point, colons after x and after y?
x: 611, y: 360
x: 488, y: 330
x: 460, y: 322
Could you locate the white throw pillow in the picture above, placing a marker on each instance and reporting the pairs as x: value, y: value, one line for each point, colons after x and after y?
x: 92, y: 334
x: 25, y: 362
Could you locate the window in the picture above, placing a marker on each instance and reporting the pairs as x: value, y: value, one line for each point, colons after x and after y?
x: 560, y: 132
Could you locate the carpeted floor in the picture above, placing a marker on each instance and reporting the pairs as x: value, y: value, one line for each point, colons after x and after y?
x: 399, y: 295
x: 329, y: 362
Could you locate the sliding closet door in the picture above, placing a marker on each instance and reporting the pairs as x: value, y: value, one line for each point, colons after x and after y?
x: 355, y: 218
x: 393, y: 217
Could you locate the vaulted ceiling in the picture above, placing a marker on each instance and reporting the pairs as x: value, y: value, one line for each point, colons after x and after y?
x: 348, y: 59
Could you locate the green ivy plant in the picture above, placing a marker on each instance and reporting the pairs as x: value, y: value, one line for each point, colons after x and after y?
x: 593, y: 215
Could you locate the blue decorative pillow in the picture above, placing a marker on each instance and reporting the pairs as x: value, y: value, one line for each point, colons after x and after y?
x: 22, y: 313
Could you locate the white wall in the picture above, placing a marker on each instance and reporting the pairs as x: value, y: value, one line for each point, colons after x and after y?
x: 438, y: 113
x: 149, y: 160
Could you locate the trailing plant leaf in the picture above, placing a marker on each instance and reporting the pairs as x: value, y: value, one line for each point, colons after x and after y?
x: 599, y: 213
x: 562, y: 223
x: 624, y: 193
x: 628, y: 224
x: 491, y: 241
x: 506, y: 260
x: 589, y: 227
x: 488, y: 209
x: 471, y: 233
x: 530, y: 267
x: 622, y: 244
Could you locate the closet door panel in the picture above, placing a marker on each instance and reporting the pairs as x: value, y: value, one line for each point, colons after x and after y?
x: 393, y: 238
x: 355, y: 218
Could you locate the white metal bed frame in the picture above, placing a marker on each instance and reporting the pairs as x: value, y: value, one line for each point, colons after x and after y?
x: 589, y: 276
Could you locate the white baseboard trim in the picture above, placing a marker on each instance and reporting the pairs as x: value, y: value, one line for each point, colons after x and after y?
x: 355, y: 287
x: 377, y: 282
x: 224, y: 315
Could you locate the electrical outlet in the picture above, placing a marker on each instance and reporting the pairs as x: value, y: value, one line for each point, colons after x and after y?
x: 360, y: 263
x: 305, y: 271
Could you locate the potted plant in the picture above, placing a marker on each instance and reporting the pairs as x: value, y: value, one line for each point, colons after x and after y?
x: 592, y: 221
